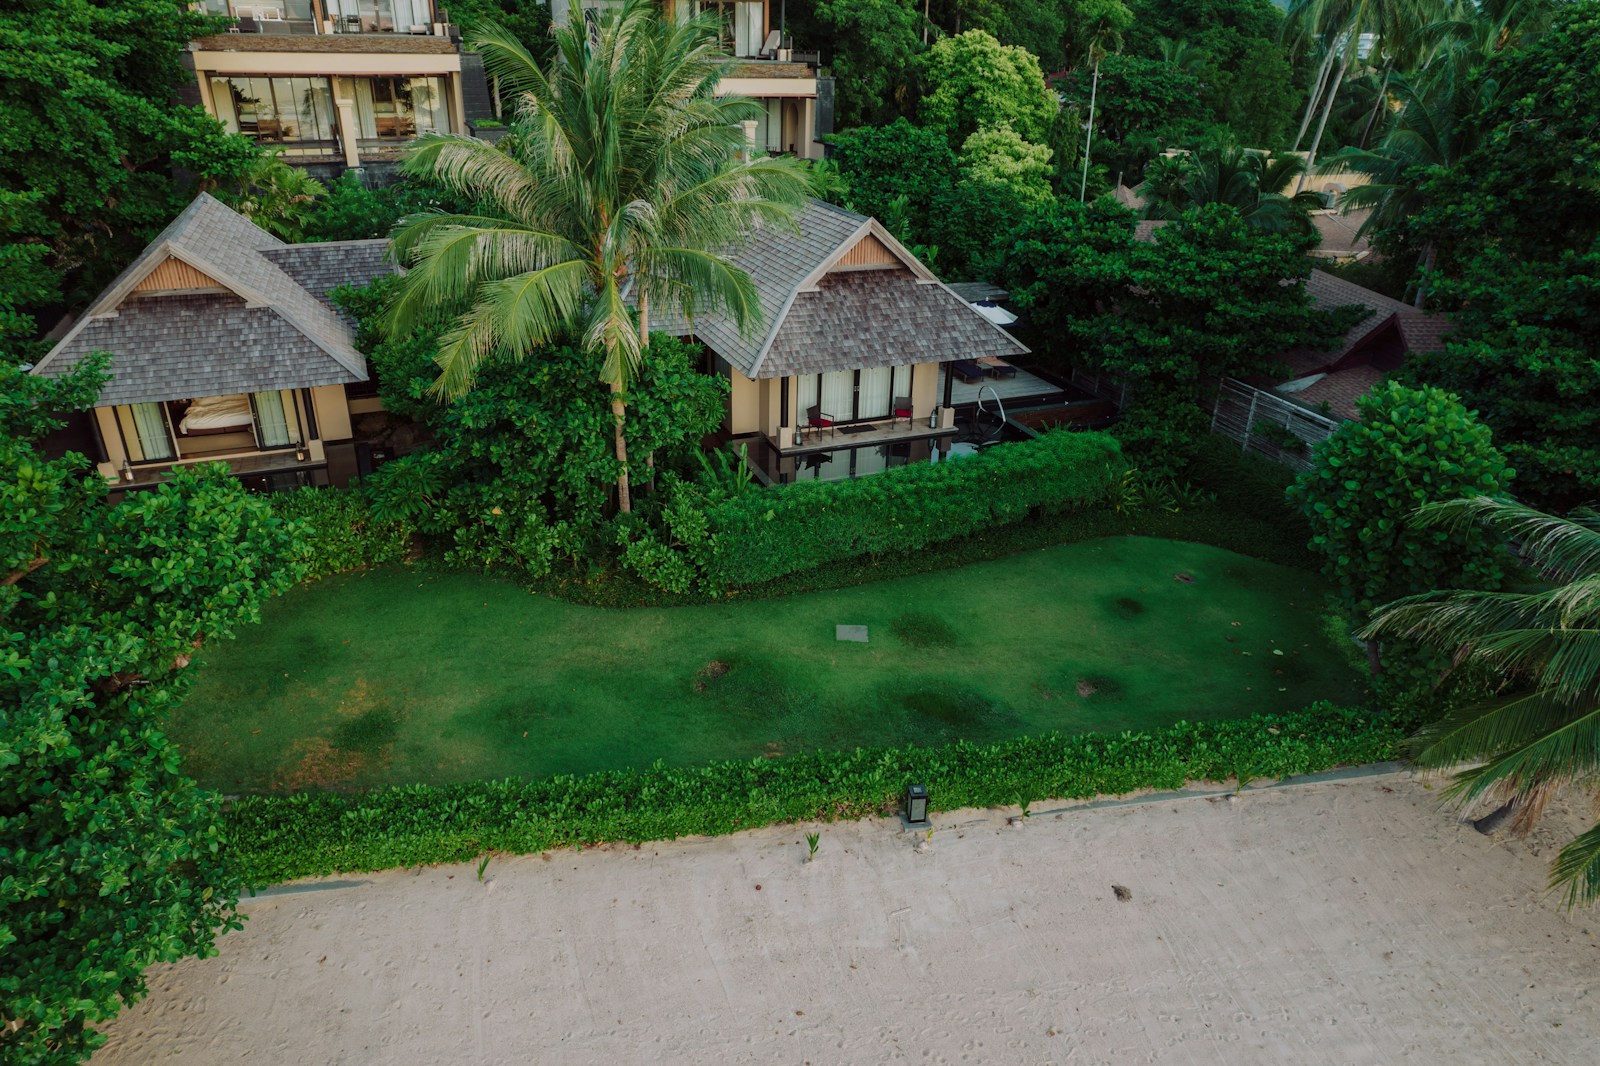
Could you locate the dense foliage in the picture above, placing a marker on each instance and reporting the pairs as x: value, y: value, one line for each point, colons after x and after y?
x: 338, y: 531
x: 723, y: 538
x: 1411, y: 447
x: 283, y: 837
x: 518, y: 469
x: 110, y: 858
x: 621, y: 186
x: 1211, y: 297
x: 974, y: 83
x: 89, y: 142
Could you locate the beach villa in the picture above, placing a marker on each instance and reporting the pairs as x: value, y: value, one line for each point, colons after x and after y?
x: 225, y: 346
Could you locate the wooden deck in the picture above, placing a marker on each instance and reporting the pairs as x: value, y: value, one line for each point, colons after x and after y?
x: 1022, y: 387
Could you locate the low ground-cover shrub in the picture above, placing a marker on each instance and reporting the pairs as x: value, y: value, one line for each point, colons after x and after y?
x: 751, y: 537
x: 279, y: 838
x: 339, y: 531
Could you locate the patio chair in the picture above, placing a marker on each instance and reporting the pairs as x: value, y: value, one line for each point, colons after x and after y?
x: 817, y: 418
x: 902, y: 409
x: 969, y: 372
x: 997, y: 369
x: 769, y: 47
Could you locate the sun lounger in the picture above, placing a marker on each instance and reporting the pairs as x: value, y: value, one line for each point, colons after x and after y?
x: 969, y: 372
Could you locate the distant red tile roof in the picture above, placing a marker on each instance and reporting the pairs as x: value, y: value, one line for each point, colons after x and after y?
x: 1340, y: 390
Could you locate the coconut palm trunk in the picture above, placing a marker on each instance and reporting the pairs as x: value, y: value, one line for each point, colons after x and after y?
x: 1317, y: 88
x: 622, y: 164
x: 1322, y: 123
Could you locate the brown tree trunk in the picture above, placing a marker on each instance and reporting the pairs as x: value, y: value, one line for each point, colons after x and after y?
x: 1383, y: 88
x: 618, y: 413
x: 1429, y: 255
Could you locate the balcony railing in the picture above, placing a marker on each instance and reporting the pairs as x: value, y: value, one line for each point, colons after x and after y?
x: 402, y: 17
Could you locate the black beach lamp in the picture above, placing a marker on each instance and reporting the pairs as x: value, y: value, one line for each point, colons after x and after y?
x: 917, y: 805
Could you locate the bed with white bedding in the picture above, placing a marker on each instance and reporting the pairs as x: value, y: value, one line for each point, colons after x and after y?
x: 216, y: 413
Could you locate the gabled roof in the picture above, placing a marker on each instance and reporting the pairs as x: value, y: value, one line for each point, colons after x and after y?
x: 321, y: 268
x: 1420, y: 331
x: 262, y: 330
x: 817, y: 320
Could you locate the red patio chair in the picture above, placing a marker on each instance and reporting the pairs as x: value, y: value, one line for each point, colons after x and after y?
x: 902, y: 409
x: 817, y: 418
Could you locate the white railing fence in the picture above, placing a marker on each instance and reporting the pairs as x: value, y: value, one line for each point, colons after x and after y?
x: 1269, y: 425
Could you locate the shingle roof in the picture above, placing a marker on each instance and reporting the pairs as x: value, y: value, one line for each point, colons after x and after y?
x: 321, y: 268
x: 270, y: 331
x: 168, y: 349
x: 820, y: 322
x: 869, y: 318
x: 1340, y: 390
x: 1421, y: 331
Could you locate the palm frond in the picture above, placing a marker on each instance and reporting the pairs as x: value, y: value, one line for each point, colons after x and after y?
x: 1576, y: 871
x: 1560, y: 548
x: 1565, y: 751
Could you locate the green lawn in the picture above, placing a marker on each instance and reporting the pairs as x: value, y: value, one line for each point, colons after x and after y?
x: 394, y: 676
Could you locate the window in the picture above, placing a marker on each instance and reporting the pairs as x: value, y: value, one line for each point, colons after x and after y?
x: 854, y: 395
x: 396, y: 109
x: 743, y: 25
x: 296, y: 113
x: 150, y: 423
x: 380, y: 16
x: 272, y: 424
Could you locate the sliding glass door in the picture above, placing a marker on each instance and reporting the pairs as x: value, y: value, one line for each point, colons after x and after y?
x: 155, y: 435
x: 854, y: 395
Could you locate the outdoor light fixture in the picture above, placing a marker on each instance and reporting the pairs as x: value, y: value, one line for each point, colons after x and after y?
x: 127, y: 471
x: 917, y: 805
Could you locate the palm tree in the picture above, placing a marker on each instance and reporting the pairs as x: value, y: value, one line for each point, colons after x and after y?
x: 1182, y: 55
x: 1248, y: 181
x: 623, y: 180
x: 1545, y: 732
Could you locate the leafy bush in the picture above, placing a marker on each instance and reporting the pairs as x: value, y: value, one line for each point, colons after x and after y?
x: 339, y: 531
x: 1411, y: 447
x: 757, y: 536
x: 277, y: 838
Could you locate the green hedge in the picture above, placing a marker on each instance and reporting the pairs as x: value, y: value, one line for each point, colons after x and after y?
x: 339, y: 531
x: 761, y: 535
x: 279, y: 838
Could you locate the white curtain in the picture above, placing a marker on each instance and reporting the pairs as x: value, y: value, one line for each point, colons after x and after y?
x: 807, y: 394
x: 427, y: 104
x: 270, y: 417
x: 150, y: 422
x: 838, y: 388
x: 873, y: 399
x: 366, y: 114
x: 902, y: 382
x: 747, y: 19
x: 222, y: 103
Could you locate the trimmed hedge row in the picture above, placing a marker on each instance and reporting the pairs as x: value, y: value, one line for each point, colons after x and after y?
x: 279, y: 838
x: 758, y: 536
x: 339, y: 532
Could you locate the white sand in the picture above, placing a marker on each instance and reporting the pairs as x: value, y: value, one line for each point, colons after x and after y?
x: 1343, y: 923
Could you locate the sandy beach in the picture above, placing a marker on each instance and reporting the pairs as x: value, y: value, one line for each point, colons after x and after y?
x: 1348, y: 922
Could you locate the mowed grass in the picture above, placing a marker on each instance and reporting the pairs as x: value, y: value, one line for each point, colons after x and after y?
x: 395, y: 676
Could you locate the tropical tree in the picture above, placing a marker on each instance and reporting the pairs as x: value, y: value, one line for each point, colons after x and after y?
x: 1250, y: 182
x: 277, y: 196
x: 1543, y: 730
x: 622, y: 182
x: 975, y: 82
